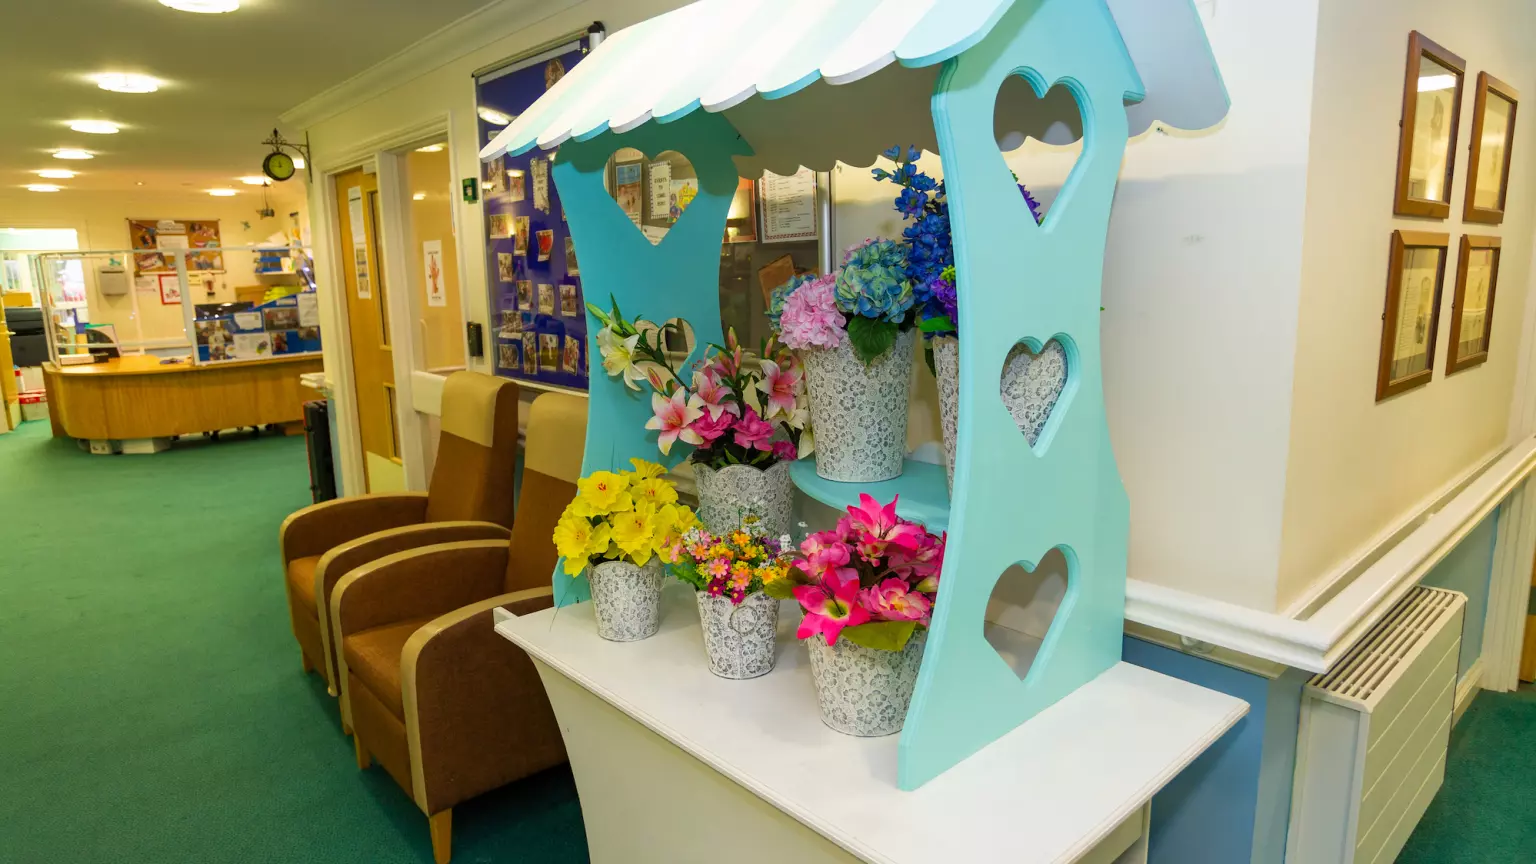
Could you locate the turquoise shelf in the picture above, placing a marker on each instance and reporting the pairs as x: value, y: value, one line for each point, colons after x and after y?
x: 924, y: 495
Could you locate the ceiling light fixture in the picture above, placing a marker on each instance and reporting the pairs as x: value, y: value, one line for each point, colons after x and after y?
x: 419, y: 196
x: 205, y: 7
x: 43, y: 187
x: 430, y: 148
x: 55, y: 173
x: 494, y: 117
x: 298, y: 162
x: 126, y: 82
x: 73, y: 154
x: 222, y: 193
x: 95, y: 127
x: 255, y: 181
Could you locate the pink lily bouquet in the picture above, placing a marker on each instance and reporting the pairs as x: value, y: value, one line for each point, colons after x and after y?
x: 872, y: 580
x: 734, y: 406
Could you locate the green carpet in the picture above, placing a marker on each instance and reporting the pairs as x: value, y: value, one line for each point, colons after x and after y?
x: 1486, y: 811
x: 152, y: 708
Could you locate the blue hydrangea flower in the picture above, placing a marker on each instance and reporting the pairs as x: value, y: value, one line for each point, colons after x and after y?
x: 873, y: 282
x: 781, y: 294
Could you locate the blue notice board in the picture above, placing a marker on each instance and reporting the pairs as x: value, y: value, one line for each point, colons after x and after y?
x: 538, y: 313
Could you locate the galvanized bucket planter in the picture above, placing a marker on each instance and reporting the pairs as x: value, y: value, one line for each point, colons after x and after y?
x: 865, y: 691
x: 738, y: 495
x: 626, y: 599
x: 739, y: 640
x: 858, y: 412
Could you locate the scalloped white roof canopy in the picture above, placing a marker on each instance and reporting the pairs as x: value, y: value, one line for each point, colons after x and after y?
x: 778, y: 48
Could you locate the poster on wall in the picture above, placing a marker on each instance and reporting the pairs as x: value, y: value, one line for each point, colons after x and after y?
x: 157, y: 243
x: 359, y: 242
x: 283, y: 326
x: 789, y: 207
x: 170, y: 289
x: 536, y: 294
x: 432, y: 261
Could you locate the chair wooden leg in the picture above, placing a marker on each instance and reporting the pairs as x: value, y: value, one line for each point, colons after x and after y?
x: 441, y: 827
x: 363, y: 759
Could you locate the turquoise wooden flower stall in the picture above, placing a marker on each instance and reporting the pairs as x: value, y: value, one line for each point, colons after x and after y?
x: 739, y: 87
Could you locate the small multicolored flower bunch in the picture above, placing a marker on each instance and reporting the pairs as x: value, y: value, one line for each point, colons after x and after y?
x: 623, y: 516
x: 865, y: 303
x: 930, y: 261
x: 738, y: 408
x: 872, y: 580
x: 733, y: 565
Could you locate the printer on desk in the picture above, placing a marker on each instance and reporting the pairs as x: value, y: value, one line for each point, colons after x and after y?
x: 29, y: 343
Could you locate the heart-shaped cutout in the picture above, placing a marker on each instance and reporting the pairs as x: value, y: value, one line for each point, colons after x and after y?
x: 1023, y: 607
x: 1032, y: 384
x: 1053, y: 122
x: 652, y: 193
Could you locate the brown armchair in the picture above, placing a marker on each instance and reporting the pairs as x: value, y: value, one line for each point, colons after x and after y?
x: 469, y: 498
x: 450, y: 709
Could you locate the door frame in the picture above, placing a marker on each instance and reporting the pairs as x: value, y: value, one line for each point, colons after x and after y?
x: 378, y: 155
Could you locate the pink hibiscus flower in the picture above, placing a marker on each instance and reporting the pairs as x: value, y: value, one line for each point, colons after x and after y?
x: 710, y: 428
x: 786, y: 451
x: 878, y: 528
x: 752, y: 432
x: 830, y: 606
x: 894, y: 600
x: 672, y: 419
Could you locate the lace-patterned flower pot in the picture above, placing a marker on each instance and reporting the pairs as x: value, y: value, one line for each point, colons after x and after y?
x: 858, y: 412
x: 626, y: 599
x: 739, y: 640
x: 865, y: 691
x: 729, y: 495
x: 1031, y: 386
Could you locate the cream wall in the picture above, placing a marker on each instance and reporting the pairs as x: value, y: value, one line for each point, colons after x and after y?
x: 101, y: 220
x: 1357, y: 466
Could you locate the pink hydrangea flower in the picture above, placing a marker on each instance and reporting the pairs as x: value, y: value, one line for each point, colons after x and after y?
x: 830, y: 606
x: 753, y: 432
x: 811, y: 318
x: 894, y: 600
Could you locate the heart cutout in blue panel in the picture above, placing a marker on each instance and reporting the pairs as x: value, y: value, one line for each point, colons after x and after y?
x: 1023, y: 607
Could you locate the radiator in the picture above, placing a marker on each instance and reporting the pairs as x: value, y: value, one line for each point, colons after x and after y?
x: 1374, y: 731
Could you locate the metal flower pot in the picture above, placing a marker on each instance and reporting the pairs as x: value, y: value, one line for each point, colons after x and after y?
x: 626, y: 599
x: 865, y: 691
x: 1031, y: 386
x: 737, y: 494
x: 739, y: 640
x: 858, y: 412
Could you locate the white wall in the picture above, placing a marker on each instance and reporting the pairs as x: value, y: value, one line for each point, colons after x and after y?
x: 101, y: 222
x: 1357, y: 466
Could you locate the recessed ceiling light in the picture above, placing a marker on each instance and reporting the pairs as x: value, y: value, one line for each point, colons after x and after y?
x: 430, y: 148
x: 126, y: 82
x: 419, y: 196
x: 494, y: 117
x: 95, y: 127
x: 255, y: 181
x: 207, y: 7
x: 73, y: 154
x: 43, y: 187
x: 222, y: 193
x: 55, y: 173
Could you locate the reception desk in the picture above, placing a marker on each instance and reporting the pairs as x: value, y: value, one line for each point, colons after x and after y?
x: 141, y: 403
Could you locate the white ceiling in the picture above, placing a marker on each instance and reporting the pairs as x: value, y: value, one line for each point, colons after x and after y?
x: 226, y: 79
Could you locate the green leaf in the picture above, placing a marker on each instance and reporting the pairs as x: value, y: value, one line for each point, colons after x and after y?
x: 781, y: 589
x: 881, y: 635
x: 940, y: 324
x: 928, y: 358
x: 870, y: 337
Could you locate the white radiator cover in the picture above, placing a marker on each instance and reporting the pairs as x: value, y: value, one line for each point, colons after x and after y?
x: 1373, y: 737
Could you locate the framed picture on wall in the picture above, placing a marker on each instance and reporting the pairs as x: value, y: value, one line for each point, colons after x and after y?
x: 1415, y: 275
x: 1426, y: 147
x: 1477, y: 278
x: 1493, y: 140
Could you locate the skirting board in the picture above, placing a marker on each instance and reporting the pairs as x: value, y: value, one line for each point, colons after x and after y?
x: 1467, y: 689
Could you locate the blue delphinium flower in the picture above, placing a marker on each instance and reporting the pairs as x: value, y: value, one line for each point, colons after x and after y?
x: 781, y: 294
x: 873, y: 282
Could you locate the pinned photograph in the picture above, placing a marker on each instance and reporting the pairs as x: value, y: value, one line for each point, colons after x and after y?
x: 509, y: 352
x: 525, y: 294
x: 571, y: 362
x: 569, y: 308
x: 539, y: 168
x: 496, y: 174
x: 546, y: 299
x: 530, y: 353
x: 546, y: 240
x: 549, y: 351
x: 570, y: 257
x: 517, y: 185
x: 282, y: 318
x: 506, y: 268
x: 520, y: 228
x: 309, y: 334
x: 554, y: 70
x: 511, y: 322
x: 501, y: 226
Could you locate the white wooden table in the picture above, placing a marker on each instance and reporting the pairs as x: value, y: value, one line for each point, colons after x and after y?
x: 676, y: 765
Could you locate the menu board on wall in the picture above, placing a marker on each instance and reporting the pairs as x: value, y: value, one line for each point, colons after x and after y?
x: 538, y: 312
x: 155, y: 242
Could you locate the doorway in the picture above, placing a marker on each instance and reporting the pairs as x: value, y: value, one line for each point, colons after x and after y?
x: 358, y: 219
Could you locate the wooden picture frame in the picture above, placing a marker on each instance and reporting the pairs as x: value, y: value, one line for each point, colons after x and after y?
x: 1428, y: 138
x: 1490, y: 91
x: 1412, y: 277
x: 1466, y: 353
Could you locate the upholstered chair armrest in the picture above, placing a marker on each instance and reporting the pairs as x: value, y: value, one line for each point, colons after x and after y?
x: 353, y: 554
x: 317, y: 528
x: 419, y: 583
x: 476, y: 714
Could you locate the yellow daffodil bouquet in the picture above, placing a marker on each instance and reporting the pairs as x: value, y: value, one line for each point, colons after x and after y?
x: 623, y: 516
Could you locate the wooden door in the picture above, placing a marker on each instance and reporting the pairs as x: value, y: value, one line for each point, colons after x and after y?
x: 373, y: 365
x: 1528, y: 656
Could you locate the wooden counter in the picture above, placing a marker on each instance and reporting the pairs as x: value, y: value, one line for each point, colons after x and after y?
x: 137, y: 397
